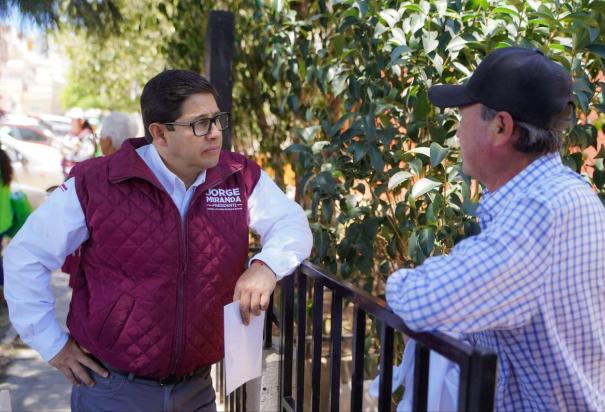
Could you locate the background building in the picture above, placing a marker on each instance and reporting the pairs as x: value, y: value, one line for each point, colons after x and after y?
x: 32, y: 72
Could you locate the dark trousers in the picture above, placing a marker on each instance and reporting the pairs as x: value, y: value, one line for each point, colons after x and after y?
x: 120, y: 392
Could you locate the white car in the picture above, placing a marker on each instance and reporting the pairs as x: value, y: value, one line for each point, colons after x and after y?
x: 37, y: 167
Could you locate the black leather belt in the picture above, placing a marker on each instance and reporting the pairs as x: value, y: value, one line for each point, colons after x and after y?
x: 171, y: 379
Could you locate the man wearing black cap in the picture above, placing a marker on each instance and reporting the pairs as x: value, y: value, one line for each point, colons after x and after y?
x: 530, y: 286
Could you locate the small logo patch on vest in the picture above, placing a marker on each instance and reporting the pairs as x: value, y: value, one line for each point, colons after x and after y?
x: 224, y: 199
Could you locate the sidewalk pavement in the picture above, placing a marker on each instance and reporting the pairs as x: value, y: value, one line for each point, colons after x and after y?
x: 33, y: 384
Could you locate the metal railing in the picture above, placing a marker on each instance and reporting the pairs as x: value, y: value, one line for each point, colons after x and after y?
x: 477, y: 365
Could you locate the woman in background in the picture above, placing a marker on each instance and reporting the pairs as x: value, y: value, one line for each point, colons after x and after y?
x: 6, y: 214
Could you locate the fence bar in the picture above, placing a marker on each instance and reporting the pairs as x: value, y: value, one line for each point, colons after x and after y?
x: 287, y: 403
x: 386, y: 368
x: 301, y: 341
x: 477, y: 365
x: 421, y: 378
x: 287, y: 295
x: 318, y: 300
x: 221, y: 379
x: 482, y: 382
x: 359, y: 334
x: 269, y: 325
x: 335, y: 353
x: 238, y: 399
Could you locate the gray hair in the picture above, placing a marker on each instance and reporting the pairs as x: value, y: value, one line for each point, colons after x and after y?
x: 118, y: 127
x: 535, y: 140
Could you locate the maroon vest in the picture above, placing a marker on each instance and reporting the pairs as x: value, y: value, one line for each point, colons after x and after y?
x: 148, y: 288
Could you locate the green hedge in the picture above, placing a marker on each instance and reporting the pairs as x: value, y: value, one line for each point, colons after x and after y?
x: 338, y: 89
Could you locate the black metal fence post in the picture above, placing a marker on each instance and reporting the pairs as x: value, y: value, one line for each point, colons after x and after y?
x: 359, y: 334
x: 286, y: 351
x: 482, y: 381
x: 220, y: 50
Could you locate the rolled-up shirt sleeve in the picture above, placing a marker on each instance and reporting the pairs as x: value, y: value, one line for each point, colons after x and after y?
x: 283, y: 227
x: 51, y: 232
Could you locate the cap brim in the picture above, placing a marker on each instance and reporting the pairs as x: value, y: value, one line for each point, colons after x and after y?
x: 448, y: 95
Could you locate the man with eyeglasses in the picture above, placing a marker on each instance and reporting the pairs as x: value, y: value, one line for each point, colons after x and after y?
x: 155, y: 238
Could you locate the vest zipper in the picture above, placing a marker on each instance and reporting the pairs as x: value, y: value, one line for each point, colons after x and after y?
x: 180, y: 295
x: 181, y: 282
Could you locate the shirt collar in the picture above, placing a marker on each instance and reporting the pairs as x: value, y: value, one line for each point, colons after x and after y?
x: 493, y: 202
x: 167, y: 178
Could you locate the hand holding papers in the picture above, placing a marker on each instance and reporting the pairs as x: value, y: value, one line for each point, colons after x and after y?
x: 243, y: 347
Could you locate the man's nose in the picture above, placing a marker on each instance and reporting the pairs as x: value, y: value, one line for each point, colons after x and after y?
x: 214, y: 132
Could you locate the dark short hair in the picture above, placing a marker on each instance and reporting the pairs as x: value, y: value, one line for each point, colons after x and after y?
x: 163, y: 96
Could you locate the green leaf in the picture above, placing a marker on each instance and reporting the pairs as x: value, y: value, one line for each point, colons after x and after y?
x: 426, y: 240
x: 379, y: 30
x: 424, y: 186
x: 413, y: 7
x: 508, y: 10
x: 398, y: 36
x: 456, y: 44
x: 415, y: 166
x: 463, y: 69
x: 363, y: 6
x: 425, y: 151
x: 398, y: 51
x: 429, y: 41
x: 339, y: 84
x: 416, y: 22
x: 308, y: 132
x: 322, y: 243
x: 390, y: 16
x: 437, y: 153
x: 360, y: 149
x: 339, y: 43
x: 376, y: 159
x: 398, y: 178
x: 298, y: 148
x: 317, y: 147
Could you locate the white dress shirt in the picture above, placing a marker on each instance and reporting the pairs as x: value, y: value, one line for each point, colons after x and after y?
x: 58, y: 227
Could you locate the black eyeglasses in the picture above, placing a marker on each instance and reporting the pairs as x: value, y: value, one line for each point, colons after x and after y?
x: 201, y: 127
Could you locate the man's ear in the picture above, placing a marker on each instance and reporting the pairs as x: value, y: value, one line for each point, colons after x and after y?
x: 157, y: 131
x: 502, y: 128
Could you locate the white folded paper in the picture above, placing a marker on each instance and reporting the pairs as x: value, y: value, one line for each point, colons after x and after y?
x: 243, y: 347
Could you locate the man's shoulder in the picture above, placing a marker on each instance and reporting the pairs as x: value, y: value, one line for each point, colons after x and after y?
x: 233, y: 157
x: 88, y: 166
x: 247, y: 168
x: 239, y: 161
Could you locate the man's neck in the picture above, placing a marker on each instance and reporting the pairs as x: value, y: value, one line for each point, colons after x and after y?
x: 508, y: 169
x: 187, y: 175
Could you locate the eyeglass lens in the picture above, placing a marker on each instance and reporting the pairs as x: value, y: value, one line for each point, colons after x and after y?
x: 202, y: 126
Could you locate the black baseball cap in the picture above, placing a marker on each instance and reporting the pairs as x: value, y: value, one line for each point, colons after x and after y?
x: 523, y: 82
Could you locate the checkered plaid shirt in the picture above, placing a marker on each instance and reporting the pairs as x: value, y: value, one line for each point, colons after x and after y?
x: 530, y: 286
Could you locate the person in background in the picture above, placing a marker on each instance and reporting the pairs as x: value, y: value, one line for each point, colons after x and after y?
x: 6, y: 214
x: 531, y: 285
x: 80, y: 144
x: 161, y: 231
x: 115, y: 128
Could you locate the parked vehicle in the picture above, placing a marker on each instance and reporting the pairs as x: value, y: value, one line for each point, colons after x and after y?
x: 37, y: 167
x: 27, y: 133
x: 60, y: 125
